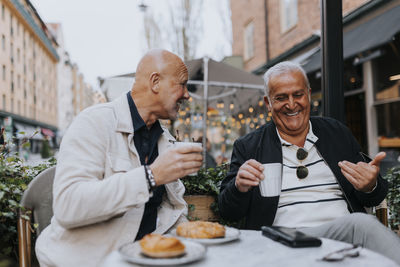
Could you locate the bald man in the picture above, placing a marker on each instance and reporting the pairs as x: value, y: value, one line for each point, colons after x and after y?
x: 117, y: 175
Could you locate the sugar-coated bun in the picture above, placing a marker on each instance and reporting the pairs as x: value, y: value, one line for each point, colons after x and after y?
x: 200, y: 229
x: 158, y: 246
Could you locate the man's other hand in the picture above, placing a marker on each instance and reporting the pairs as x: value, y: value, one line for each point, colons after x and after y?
x: 176, y: 163
x: 250, y: 174
x: 362, y: 175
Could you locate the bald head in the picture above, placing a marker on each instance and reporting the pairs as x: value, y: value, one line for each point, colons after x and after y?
x: 160, y: 85
x: 157, y: 60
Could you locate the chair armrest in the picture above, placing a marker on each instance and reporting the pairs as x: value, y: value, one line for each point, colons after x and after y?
x: 24, y: 240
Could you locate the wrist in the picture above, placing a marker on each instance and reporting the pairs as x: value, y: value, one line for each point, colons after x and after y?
x: 372, y: 189
x: 240, y: 188
x: 151, y: 182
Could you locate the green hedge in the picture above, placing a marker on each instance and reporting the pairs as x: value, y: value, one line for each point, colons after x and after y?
x: 393, y: 197
x: 15, y: 175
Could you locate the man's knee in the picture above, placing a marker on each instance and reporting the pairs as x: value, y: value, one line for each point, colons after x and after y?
x: 361, y: 221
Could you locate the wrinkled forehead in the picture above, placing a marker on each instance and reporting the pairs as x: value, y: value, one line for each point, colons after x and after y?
x: 177, y: 69
x: 290, y: 77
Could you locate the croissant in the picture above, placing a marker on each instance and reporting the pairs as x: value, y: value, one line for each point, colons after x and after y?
x: 158, y: 246
x: 200, y: 229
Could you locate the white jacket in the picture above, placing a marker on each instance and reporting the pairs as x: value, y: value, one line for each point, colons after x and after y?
x: 100, y: 189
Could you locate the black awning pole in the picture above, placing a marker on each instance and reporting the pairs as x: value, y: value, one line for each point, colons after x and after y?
x: 332, y: 59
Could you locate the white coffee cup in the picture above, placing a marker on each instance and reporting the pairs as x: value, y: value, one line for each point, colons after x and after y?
x: 272, y: 183
x: 184, y: 144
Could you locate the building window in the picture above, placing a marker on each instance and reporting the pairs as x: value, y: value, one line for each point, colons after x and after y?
x: 4, y: 73
x: 288, y: 14
x: 12, y: 104
x: 11, y: 26
x: 4, y: 102
x: 249, y: 41
x: 11, y: 52
x: 12, y: 81
x: 2, y: 11
x: 19, y: 107
x: 18, y: 54
x: 3, y: 42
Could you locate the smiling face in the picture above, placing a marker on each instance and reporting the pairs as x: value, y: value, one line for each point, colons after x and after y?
x: 289, y: 103
x: 173, y: 89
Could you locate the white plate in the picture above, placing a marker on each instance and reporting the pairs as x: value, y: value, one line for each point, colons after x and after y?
x: 230, y: 235
x: 131, y: 252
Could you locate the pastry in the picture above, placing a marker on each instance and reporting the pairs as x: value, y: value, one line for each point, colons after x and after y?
x: 158, y: 246
x: 200, y: 229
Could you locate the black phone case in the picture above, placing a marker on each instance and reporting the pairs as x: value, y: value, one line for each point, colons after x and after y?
x: 290, y: 237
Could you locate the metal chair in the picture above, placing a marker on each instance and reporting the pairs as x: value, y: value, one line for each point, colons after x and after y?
x: 38, y: 199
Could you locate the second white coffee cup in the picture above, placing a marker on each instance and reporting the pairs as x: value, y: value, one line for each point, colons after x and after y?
x: 272, y: 183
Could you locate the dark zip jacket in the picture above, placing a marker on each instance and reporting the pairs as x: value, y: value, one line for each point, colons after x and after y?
x: 335, y: 143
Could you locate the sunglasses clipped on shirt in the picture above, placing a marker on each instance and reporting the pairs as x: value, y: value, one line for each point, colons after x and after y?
x: 302, y: 170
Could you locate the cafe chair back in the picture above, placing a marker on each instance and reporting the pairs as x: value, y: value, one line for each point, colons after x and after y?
x: 381, y: 212
x: 38, y: 200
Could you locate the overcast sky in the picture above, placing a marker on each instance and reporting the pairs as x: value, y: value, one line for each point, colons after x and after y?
x: 105, y: 37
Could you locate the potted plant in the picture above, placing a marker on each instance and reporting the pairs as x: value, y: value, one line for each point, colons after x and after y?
x: 393, y: 198
x: 202, y: 191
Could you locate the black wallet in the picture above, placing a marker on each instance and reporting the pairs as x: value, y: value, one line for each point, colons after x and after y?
x: 290, y: 237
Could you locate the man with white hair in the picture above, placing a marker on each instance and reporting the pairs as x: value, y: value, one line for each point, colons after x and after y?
x: 326, y: 180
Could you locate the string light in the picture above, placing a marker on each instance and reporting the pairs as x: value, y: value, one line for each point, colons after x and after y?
x: 251, y: 109
x: 260, y: 103
x: 240, y: 116
x: 261, y: 116
x: 252, y: 125
x: 190, y: 99
x: 231, y: 106
x: 220, y: 104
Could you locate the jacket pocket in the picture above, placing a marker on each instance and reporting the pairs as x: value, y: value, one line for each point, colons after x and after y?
x: 118, y: 164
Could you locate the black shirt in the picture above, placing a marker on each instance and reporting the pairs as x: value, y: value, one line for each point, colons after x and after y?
x: 146, y: 145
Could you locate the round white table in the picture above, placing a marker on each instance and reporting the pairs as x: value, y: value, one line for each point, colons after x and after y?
x: 253, y: 249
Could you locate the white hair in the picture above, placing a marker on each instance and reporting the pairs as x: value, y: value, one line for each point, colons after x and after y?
x: 280, y: 68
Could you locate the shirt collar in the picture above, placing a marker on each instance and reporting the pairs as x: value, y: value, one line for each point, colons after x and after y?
x: 311, y: 138
x: 137, y: 120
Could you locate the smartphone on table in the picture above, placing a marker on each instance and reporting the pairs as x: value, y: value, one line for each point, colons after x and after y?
x: 290, y: 237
